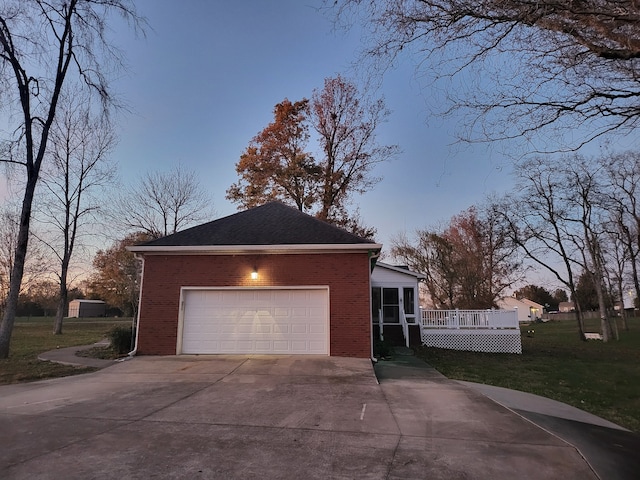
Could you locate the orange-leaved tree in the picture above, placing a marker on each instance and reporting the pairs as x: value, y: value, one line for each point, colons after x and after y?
x: 116, y: 278
x: 342, y: 123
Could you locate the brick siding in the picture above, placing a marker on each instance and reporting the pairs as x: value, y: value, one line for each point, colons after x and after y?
x: 346, y: 274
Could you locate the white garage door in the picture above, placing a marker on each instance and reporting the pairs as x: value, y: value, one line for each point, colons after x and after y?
x: 255, y: 321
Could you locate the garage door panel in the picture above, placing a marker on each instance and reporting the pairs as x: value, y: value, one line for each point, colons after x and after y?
x: 319, y: 329
x: 280, y: 329
x: 302, y: 328
x: 255, y: 321
x: 299, y: 347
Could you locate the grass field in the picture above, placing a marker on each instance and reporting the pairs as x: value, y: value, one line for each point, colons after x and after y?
x: 32, y: 336
x: 601, y: 378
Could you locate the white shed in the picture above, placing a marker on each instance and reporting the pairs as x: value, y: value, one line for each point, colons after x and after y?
x: 86, y: 308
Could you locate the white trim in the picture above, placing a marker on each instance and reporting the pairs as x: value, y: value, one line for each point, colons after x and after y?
x: 259, y: 287
x: 252, y: 249
x: 295, y: 287
x: 393, y: 268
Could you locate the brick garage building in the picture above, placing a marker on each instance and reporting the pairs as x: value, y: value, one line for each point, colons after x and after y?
x: 269, y: 280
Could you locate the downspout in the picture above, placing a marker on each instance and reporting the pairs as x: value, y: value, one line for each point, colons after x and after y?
x: 133, y: 352
x: 373, y: 256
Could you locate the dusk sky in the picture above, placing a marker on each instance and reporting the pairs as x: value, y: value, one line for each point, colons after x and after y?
x: 207, y: 76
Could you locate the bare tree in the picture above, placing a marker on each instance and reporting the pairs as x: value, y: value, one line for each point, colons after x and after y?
x: 431, y: 254
x: 557, y: 217
x: 623, y: 172
x: 161, y: 203
x: 77, y: 169
x: 518, y: 68
x: 346, y: 124
x: 41, y: 42
x: 36, y: 266
x: 534, y: 217
x: 616, y: 259
x: 586, y: 207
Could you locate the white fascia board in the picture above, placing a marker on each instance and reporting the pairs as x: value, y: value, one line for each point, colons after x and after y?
x: 253, y: 249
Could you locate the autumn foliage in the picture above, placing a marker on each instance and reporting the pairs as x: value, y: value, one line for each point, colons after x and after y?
x: 116, y: 276
x: 275, y: 165
x: 278, y: 163
x: 468, y: 264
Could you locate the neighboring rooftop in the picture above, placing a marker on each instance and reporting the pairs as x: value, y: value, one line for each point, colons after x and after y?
x: 270, y: 224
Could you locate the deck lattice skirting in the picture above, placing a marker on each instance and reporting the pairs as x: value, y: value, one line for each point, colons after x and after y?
x: 472, y: 330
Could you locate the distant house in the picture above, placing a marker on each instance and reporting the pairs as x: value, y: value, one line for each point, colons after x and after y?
x: 86, y: 308
x: 536, y: 309
x: 629, y: 300
x: 566, y: 307
x: 528, y: 311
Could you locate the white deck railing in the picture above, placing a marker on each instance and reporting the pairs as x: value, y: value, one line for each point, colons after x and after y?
x: 469, y: 319
x: 473, y: 330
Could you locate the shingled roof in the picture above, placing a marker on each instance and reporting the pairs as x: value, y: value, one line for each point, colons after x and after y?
x: 271, y: 224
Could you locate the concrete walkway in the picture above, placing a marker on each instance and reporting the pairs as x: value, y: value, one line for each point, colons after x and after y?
x: 67, y: 356
x: 610, y: 450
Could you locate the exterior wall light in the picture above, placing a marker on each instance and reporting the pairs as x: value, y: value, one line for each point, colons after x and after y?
x: 254, y: 274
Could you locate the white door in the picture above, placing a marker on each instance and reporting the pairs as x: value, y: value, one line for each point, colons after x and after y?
x: 280, y: 321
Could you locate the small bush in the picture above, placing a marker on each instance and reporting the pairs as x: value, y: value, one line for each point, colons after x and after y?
x: 121, y: 339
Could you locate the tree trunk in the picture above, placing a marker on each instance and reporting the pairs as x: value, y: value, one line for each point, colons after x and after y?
x: 9, y: 317
x: 613, y: 325
x: 623, y: 313
x: 579, y: 316
x: 62, y: 305
x: 605, y: 327
x: 580, y: 319
x: 57, y: 323
x: 636, y: 281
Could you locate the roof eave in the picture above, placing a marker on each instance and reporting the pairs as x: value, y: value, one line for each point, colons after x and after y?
x: 403, y: 271
x: 253, y: 249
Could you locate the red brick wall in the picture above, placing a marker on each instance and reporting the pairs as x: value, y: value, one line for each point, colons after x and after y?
x: 346, y: 274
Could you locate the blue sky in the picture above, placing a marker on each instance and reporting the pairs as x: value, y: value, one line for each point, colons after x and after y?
x: 205, y: 80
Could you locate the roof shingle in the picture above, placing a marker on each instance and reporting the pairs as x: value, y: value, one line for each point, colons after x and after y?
x: 270, y: 224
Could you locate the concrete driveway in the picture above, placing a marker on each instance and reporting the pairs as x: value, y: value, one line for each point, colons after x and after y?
x: 268, y: 418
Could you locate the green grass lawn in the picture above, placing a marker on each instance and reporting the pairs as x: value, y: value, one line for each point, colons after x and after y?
x: 32, y: 336
x: 601, y: 378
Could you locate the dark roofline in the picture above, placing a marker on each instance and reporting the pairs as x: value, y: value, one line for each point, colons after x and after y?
x: 271, y: 227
